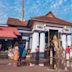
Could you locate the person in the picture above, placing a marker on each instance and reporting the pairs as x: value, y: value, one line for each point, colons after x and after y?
x: 16, y: 54
x: 71, y: 54
x: 37, y: 55
x: 46, y: 56
x: 21, y: 48
x: 10, y: 55
x: 28, y: 56
x: 67, y: 51
x: 24, y: 57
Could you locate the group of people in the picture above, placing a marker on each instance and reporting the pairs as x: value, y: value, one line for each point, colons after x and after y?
x: 17, y: 54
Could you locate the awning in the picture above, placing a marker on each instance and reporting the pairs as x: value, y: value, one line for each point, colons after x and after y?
x: 8, y: 32
x: 15, y: 31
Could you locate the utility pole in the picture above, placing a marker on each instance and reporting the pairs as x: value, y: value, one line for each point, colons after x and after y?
x: 22, y: 10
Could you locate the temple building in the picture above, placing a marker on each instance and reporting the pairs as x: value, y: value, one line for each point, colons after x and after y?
x: 45, y: 27
x: 39, y: 31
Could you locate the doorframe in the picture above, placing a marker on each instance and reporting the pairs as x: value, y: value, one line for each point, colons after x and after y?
x: 49, y: 36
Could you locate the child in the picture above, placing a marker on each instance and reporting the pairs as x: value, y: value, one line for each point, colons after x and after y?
x: 16, y: 55
x: 28, y: 57
x: 24, y: 57
x: 10, y: 55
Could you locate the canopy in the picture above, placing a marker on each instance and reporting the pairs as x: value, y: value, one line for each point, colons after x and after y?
x: 8, y: 32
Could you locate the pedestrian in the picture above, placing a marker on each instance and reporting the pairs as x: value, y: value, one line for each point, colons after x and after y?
x: 46, y: 56
x: 28, y: 57
x: 24, y: 57
x: 37, y: 56
x: 16, y: 54
x: 71, y: 55
x: 10, y: 55
x: 67, y: 51
x: 21, y: 48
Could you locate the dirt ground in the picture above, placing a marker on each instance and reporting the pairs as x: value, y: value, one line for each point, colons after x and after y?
x: 26, y: 69
x: 4, y: 67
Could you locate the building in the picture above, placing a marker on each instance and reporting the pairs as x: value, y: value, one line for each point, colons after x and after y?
x: 38, y: 31
x: 23, y: 28
x: 7, y: 36
x: 45, y: 27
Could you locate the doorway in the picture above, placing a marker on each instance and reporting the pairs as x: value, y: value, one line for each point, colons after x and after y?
x: 52, y: 33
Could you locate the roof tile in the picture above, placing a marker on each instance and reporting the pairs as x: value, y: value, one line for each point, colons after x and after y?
x: 50, y: 18
x: 16, y: 22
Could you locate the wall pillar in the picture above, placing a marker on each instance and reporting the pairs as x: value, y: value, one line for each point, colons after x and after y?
x: 26, y: 46
x: 64, y: 41
x: 42, y: 42
x: 68, y: 40
x: 35, y: 41
x: 30, y: 43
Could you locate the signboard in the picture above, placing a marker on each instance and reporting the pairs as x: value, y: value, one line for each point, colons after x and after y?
x: 24, y: 37
x: 66, y: 30
x: 40, y: 27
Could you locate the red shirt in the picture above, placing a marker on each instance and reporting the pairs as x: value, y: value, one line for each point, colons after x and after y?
x: 67, y: 50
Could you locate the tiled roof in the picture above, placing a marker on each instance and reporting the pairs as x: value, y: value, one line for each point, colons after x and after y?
x: 8, y: 32
x: 16, y: 22
x: 50, y: 18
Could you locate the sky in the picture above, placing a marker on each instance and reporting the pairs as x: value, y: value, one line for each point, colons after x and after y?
x: 13, y: 8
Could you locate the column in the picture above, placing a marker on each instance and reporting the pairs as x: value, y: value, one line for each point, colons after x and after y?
x: 26, y: 46
x: 42, y: 42
x: 63, y: 37
x: 68, y: 40
x: 35, y: 41
x: 30, y: 43
x: 42, y: 47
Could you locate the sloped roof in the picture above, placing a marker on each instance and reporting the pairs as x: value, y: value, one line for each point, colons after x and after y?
x: 16, y: 22
x: 51, y: 18
x: 8, y: 32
